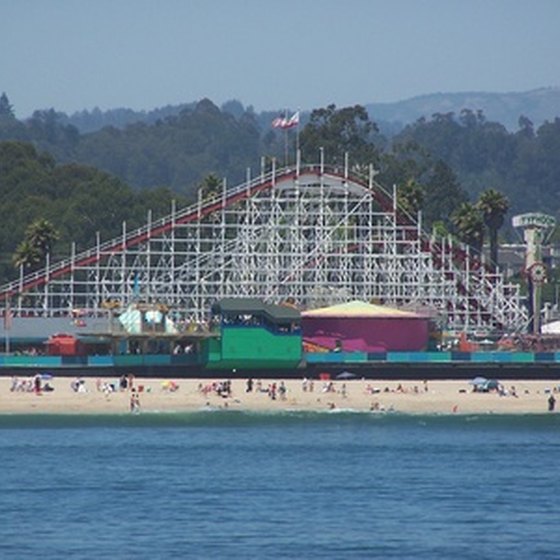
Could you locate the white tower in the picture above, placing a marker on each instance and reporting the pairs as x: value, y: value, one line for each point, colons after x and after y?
x: 535, y: 228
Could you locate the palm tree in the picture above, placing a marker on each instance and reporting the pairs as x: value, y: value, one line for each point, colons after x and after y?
x: 469, y: 225
x: 36, y: 245
x: 41, y: 234
x: 26, y: 256
x: 494, y: 206
x: 211, y: 186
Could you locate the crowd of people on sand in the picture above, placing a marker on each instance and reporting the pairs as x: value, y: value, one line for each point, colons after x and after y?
x: 33, y: 384
x: 328, y: 393
x: 124, y: 383
x: 273, y: 390
x: 220, y: 388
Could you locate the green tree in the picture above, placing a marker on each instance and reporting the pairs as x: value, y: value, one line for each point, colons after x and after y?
x: 469, y: 225
x: 26, y: 256
x: 6, y: 109
x: 210, y: 187
x: 443, y: 194
x: 410, y: 197
x: 339, y: 131
x: 36, y: 245
x: 439, y: 229
x: 41, y: 234
x: 494, y: 206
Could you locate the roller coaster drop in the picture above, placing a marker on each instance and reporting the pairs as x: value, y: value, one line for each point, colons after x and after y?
x: 311, y: 234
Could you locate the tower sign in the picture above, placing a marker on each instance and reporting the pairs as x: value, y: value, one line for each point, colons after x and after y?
x: 536, y: 227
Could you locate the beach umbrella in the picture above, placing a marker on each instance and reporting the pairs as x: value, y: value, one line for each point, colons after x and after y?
x: 478, y: 381
x: 346, y: 375
x: 492, y: 384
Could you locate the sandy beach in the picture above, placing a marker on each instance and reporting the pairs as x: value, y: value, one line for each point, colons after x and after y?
x: 99, y: 396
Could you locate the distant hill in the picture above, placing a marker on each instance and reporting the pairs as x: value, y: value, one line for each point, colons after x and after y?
x: 538, y: 105
x: 96, y: 119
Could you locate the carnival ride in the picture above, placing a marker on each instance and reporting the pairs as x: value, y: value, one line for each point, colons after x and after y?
x: 311, y: 235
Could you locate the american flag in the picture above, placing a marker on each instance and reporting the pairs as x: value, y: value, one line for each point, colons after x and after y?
x: 285, y: 122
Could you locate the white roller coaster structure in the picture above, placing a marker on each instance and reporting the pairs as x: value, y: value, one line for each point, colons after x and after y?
x: 311, y: 234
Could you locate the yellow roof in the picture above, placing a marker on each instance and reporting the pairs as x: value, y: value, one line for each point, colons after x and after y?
x: 359, y: 309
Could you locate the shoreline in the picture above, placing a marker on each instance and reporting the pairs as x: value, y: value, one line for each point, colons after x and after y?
x: 434, y: 397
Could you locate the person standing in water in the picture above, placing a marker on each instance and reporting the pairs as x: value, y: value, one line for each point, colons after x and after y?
x: 134, y: 402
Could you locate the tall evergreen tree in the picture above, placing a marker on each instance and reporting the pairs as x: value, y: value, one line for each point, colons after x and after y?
x: 443, y: 194
x: 6, y: 109
x: 339, y: 131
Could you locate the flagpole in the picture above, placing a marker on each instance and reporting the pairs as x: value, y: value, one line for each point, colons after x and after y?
x: 287, y: 124
x: 297, y: 135
x: 286, y: 140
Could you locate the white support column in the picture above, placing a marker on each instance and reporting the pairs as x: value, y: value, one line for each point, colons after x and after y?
x: 97, y: 284
x: 20, y: 291
x: 173, y: 287
x: 47, y: 283
x: 149, y: 276
x: 72, y: 303
x: 124, y: 290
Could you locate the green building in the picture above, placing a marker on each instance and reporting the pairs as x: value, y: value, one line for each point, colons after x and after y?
x: 254, y: 335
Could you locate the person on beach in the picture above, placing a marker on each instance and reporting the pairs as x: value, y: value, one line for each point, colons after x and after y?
x: 551, y: 403
x: 249, y: 387
x: 134, y: 402
x: 123, y: 382
x: 37, y: 384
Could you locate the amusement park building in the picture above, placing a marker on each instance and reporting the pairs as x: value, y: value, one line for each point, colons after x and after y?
x: 362, y: 327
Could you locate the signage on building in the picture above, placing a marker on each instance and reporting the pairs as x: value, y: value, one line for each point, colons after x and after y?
x: 534, y: 219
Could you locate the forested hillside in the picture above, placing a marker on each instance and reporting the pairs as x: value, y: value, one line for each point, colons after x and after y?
x: 84, y: 183
x: 176, y: 152
x: 524, y: 165
x: 538, y: 105
x: 78, y: 200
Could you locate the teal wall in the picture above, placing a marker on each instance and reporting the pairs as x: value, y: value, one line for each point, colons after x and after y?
x: 254, y: 347
x: 434, y: 357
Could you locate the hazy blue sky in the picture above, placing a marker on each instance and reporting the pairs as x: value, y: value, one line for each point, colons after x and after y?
x: 76, y: 54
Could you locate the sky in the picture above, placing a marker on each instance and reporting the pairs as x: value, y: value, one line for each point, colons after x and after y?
x: 299, y: 54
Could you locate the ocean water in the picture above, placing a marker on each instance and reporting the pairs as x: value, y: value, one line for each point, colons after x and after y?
x: 314, y: 485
